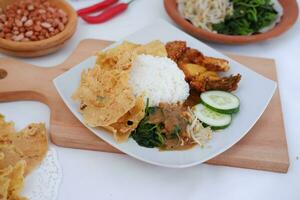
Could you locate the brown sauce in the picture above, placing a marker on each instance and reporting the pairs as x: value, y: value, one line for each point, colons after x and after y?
x: 174, y: 122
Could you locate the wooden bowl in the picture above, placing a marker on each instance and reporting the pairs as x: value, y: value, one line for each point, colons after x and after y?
x: 42, y: 47
x: 290, y: 14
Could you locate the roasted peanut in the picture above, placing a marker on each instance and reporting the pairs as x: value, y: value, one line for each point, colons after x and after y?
x: 18, y: 37
x: 29, y: 34
x: 30, y: 7
x: 24, y: 19
x: 28, y: 23
x: 18, y: 23
x: 37, y: 28
x: 45, y: 25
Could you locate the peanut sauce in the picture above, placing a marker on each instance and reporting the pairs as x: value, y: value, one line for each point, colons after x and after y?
x: 174, y: 121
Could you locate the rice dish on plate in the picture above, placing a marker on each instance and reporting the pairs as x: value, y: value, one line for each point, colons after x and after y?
x: 142, y: 92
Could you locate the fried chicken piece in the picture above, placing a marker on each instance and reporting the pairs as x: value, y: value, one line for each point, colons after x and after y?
x: 196, y: 57
x: 203, y: 80
x: 221, y: 83
x: 225, y: 83
x: 201, y: 71
x: 175, y: 49
x: 181, y: 54
x: 215, y: 64
x: 191, y: 56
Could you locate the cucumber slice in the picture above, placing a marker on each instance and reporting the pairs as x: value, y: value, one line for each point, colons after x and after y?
x: 211, y: 118
x: 220, y: 101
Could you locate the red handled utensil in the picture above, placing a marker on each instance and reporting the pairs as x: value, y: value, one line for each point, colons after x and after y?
x: 110, y: 10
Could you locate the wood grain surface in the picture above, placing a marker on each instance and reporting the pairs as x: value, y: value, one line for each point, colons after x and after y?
x: 263, y: 148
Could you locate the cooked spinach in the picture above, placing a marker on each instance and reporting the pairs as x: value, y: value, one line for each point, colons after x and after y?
x: 148, y: 134
x: 249, y: 16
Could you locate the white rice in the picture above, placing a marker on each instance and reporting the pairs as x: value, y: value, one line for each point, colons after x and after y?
x: 159, y: 79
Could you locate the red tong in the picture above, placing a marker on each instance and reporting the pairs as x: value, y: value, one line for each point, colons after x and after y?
x: 110, y: 9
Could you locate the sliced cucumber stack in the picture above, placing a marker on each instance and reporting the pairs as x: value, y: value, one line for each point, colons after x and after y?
x: 216, y: 108
x: 220, y: 101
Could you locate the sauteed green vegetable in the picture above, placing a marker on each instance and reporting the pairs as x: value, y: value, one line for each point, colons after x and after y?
x: 249, y: 16
x: 148, y: 134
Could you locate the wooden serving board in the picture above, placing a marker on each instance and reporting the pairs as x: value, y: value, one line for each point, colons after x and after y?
x: 263, y: 148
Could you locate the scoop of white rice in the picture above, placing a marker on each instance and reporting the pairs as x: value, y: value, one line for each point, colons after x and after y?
x: 159, y: 79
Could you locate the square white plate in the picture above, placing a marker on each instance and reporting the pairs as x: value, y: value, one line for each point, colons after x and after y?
x: 254, y: 100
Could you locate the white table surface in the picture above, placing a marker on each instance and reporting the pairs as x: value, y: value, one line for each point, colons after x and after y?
x: 96, y: 175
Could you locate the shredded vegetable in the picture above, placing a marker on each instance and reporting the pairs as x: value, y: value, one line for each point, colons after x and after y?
x: 205, y: 13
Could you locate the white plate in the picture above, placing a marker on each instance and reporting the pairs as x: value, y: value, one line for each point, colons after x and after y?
x: 255, y: 92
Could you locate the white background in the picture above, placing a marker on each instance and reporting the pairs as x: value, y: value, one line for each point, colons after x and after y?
x: 96, y: 175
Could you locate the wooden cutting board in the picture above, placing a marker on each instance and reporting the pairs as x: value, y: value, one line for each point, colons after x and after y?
x: 263, y: 148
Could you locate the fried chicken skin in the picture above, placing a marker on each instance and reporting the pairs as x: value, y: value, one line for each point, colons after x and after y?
x: 215, y: 64
x: 192, y: 56
x: 222, y: 83
x: 175, y: 49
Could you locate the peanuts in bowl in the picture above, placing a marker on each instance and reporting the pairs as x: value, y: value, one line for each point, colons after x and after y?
x: 31, y: 20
